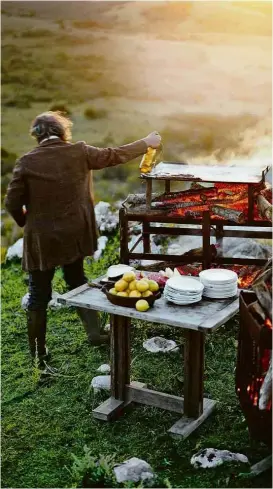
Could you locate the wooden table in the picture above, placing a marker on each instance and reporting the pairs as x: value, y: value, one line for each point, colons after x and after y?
x: 195, y: 321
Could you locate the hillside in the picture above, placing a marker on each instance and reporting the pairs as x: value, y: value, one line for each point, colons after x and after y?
x: 200, y: 73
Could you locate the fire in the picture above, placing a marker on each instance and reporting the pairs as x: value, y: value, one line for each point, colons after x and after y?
x: 268, y: 323
x: 192, y: 203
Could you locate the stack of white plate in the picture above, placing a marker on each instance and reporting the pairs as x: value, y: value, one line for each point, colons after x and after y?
x: 219, y: 283
x: 183, y: 290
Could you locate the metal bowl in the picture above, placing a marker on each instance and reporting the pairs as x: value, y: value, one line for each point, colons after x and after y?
x: 118, y: 300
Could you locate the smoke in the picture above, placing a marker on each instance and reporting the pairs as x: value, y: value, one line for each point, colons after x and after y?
x: 254, y: 149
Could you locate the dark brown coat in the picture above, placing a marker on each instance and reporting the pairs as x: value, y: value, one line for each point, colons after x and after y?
x: 52, y: 181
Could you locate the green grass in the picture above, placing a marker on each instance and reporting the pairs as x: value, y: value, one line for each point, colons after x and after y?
x: 44, y: 424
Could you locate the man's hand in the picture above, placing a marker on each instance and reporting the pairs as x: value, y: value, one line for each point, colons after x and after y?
x: 153, y: 140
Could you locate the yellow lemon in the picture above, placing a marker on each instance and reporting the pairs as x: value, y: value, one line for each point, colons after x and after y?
x: 122, y: 294
x: 135, y: 293
x: 147, y: 293
x: 142, y: 305
x: 142, y: 285
x: 153, y: 285
x: 121, y: 285
x: 113, y: 291
x: 132, y: 285
x: 129, y: 276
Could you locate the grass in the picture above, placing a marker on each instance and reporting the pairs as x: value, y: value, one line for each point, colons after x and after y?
x: 46, y: 425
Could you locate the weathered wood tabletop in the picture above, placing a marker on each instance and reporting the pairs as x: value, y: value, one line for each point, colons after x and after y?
x: 203, y: 316
x: 195, y: 321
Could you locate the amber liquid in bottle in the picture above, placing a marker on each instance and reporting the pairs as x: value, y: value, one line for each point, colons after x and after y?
x: 148, y: 161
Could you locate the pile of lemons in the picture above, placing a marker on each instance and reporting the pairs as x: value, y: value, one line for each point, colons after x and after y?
x: 129, y: 286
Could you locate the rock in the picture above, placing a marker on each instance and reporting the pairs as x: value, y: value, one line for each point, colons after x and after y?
x: 24, y: 301
x: 53, y: 303
x: 101, y: 382
x: 160, y: 344
x: 106, y: 219
x: 133, y: 470
x: 102, y: 242
x: 212, y: 457
x: 107, y: 327
x: 174, y: 249
x: 104, y: 369
x: 16, y: 250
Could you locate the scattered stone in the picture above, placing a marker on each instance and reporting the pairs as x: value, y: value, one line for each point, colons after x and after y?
x: 102, y: 242
x: 133, y: 470
x: 106, y: 219
x: 16, y: 250
x: 101, y: 382
x: 174, y: 249
x: 104, y: 369
x: 160, y: 344
x: 53, y: 303
x: 107, y: 327
x: 212, y: 457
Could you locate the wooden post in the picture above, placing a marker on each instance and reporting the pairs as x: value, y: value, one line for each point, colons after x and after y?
x: 219, y: 234
x: 149, y: 189
x: 120, y: 356
x: 193, y: 373
x: 250, y: 202
x: 206, y: 240
x: 123, y: 229
x: 167, y: 186
x: 146, y: 237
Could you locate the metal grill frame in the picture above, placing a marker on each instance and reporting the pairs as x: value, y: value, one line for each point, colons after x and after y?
x: 253, y: 340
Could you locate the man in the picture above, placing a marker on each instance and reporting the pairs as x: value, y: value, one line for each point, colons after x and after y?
x: 49, y: 195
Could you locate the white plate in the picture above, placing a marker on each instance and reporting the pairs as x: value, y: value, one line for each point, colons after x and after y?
x: 169, y: 297
x: 218, y: 276
x: 117, y: 270
x: 220, y: 287
x: 185, y: 284
x: 180, y: 293
x: 182, y: 303
x: 220, y: 296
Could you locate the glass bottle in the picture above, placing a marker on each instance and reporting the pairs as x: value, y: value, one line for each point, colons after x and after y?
x: 149, y: 160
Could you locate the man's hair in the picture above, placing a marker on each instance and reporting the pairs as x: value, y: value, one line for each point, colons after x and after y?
x: 51, y: 124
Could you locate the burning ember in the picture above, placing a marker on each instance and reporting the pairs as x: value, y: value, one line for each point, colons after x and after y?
x: 268, y: 323
x: 224, y: 201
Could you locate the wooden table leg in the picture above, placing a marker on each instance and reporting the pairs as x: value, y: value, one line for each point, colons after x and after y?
x: 196, y: 409
x: 120, y: 355
x: 120, y: 370
x: 193, y: 373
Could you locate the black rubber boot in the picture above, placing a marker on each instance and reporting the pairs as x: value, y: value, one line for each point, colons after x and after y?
x: 91, y: 323
x: 36, y: 322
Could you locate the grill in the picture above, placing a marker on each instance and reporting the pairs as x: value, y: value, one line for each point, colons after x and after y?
x: 254, y: 351
x: 231, y: 200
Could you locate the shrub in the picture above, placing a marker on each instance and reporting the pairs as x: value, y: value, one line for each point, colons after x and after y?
x: 36, y: 33
x: 7, y: 162
x: 93, y: 113
x: 3, y: 254
x: 89, y: 471
x: 60, y: 107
